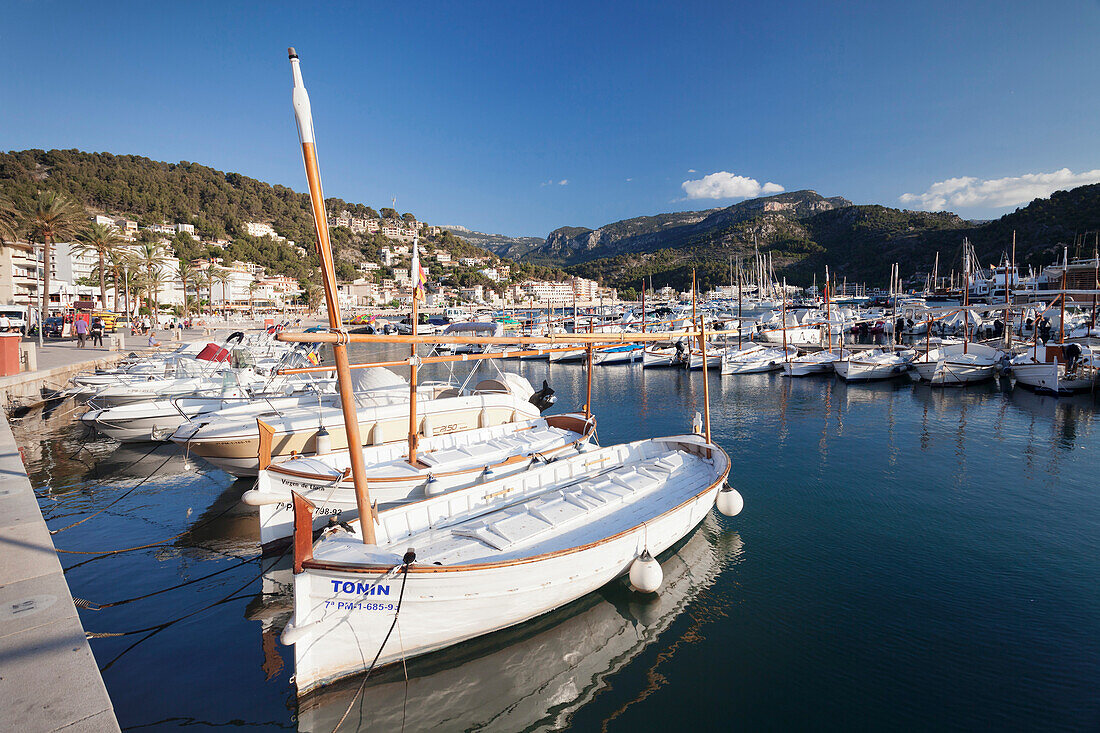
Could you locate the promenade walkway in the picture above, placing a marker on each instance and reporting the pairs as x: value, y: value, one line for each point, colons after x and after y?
x: 49, y: 680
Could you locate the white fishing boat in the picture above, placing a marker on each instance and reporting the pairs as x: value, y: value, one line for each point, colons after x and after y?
x: 755, y: 359
x: 874, y: 365
x: 1063, y: 369
x: 714, y: 358
x: 443, y: 463
x: 817, y: 362
x: 664, y: 356
x: 625, y: 354
x: 492, y: 555
x: 230, y: 439
x: 958, y: 364
x: 532, y: 677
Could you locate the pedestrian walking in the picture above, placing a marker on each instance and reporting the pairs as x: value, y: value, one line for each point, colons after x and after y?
x: 81, y: 329
x: 97, y: 332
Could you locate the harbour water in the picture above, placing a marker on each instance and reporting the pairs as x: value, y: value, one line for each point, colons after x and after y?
x: 907, y: 558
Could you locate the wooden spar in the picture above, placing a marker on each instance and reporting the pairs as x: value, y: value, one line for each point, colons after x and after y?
x: 588, y: 385
x: 304, y: 118
x: 414, y: 432
x: 643, y: 305
x: 607, y: 339
x: 431, y: 360
x: 706, y: 380
x: 693, y: 318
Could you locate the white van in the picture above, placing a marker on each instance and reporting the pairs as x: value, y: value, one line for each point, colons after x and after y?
x: 17, y: 317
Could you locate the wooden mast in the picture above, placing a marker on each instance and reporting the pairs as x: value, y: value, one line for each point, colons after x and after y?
x: 304, y: 117
x: 739, y: 285
x: 414, y: 362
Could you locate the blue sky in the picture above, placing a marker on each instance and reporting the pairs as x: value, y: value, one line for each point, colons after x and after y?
x: 522, y: 117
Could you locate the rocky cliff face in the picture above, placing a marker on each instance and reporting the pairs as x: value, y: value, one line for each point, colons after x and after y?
x: 573, y: 245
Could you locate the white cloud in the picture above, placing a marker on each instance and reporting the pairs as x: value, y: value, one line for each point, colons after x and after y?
x: 725, y: 185
x: 563, y: 182
x: 691, y: 170
x: 967, y: 191
x: 628, y: 180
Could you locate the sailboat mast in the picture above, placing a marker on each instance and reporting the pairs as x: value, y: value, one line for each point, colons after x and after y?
x: 739, y: 282
x: 304, y: 118
x: 1062, y: 317
x: 828, y: 314
x: 966, y: 296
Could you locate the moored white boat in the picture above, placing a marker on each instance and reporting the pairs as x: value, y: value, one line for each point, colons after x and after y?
x: 230, y: 439
x: 492, y: 555
x: 873, y: 365
x: 818, y: 362
x: 756, y: 359
x: 1056, y: 375
x: 443, y: 463
x: 958, y: 364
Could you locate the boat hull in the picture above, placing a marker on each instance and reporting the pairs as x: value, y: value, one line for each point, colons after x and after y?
x: 1050, y: 378
x: 440, y: 609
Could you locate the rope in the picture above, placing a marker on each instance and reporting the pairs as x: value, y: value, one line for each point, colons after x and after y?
x: 231, y: 596
x: 370, y: 669
x: 126, y: 493
x: 217, y: 516
x: 92, y: 606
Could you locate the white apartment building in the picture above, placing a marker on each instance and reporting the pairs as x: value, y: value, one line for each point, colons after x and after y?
x: 185, y: 229
x: 259, y: 229
x: 104, y: 221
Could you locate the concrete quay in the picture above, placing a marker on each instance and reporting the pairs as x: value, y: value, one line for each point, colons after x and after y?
x: 49, y: 680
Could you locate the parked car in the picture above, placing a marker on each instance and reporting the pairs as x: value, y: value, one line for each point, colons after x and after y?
x: 54, y: 326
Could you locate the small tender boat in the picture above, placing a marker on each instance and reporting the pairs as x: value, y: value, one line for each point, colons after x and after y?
x: 819, y: 362
x: 443, y: 463
x: 491, y: 555
x: 755, y: 359
x: 873, y: 365
x: 958, y: 364
x: 1061, y: 373
x: 625, y: 354
x: 664, y: 356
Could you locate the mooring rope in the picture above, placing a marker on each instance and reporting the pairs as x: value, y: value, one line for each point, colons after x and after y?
x: 409, y: 557
x: 126, y: 493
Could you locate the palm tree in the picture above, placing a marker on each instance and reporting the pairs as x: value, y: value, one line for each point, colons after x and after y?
x: 201, y: 280
x: 48, y: 217
x: 118, y: 260
x: 252, y: 288
x: 188, y: 273
x: 100, y: 240
x: 149, y: 257
x: 219, y: 275
x: 153, y: 280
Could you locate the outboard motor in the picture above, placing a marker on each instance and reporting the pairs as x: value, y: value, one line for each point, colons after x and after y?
x: 544, y: 399
x: 682, y: 354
